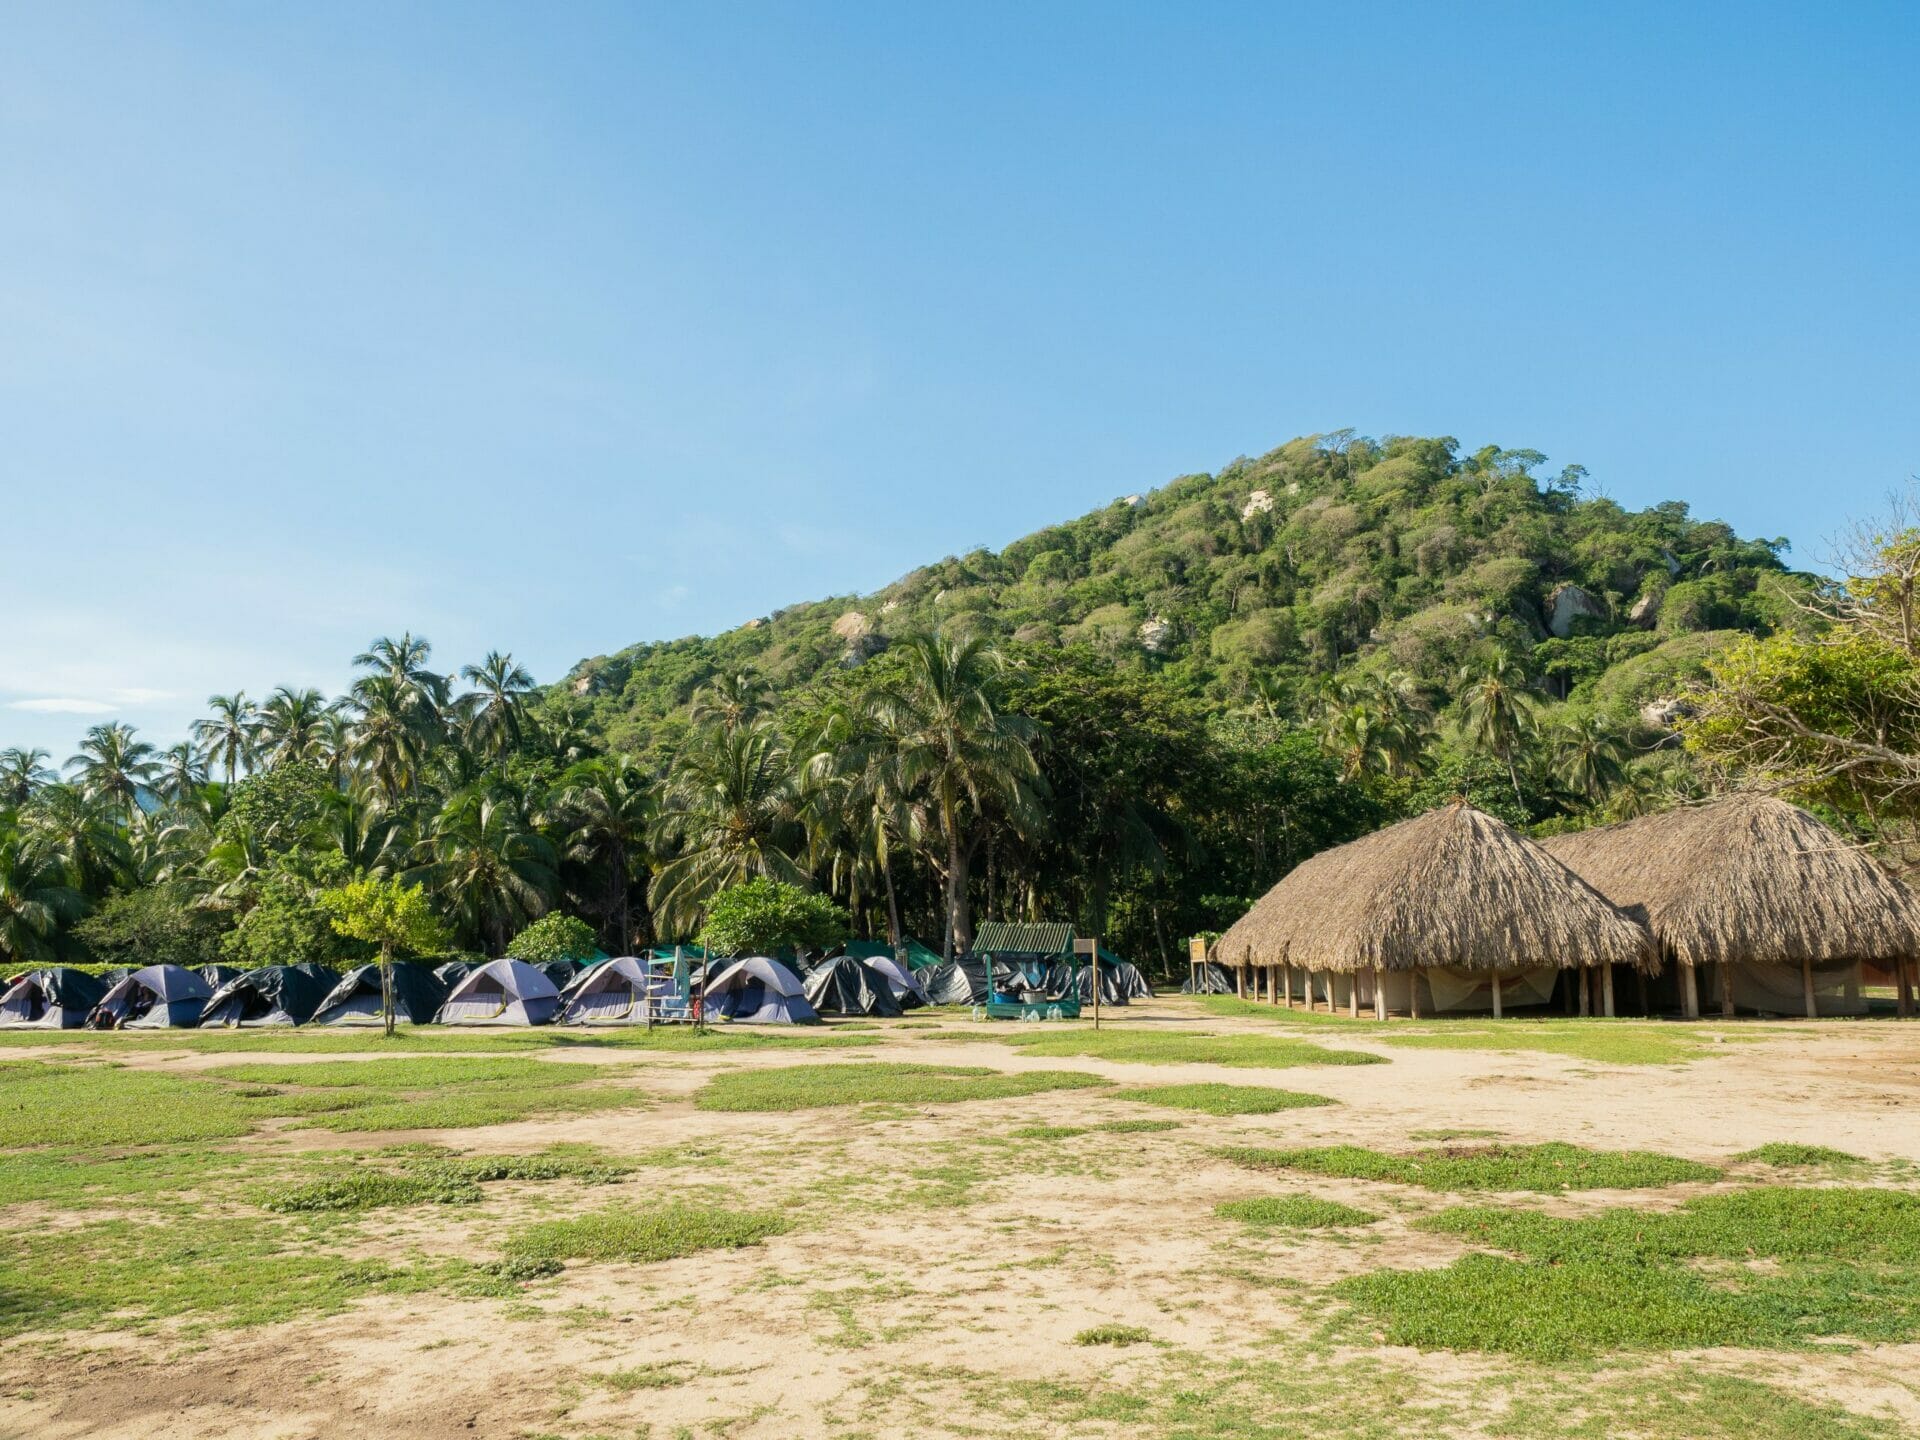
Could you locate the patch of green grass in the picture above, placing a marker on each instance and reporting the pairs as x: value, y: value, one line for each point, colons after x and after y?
x: 1453, y: 1134
x: 1550, y: 1167
x: 234, y: 1271
x: 1137, y: 1127
x: 643, y: 1236
x: 1787, y: 1156
x: 658, y: 1375
x: 1113, y: 1335
x: 1609, y: 1042
x: 404, y: 1074
x: 1182, y: 1047
x: 432, y: 1040
x: 99, y: 1105
x: 1108, y: 1127
x: 1773, y: 1267
x: 435, y: 1177
x: 1294, y: 1212
x: 806, y: 1087
x: 1048, y: 1132
x: 1213, y: 1098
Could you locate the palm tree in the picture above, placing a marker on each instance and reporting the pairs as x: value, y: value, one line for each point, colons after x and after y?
x: 493, y: 710
x: 78, y: 832
x: 183, y: 770
x: 21, y: 773
x: 226, y: 736
x: 389, y: 744
x: 608, y: 808
x: 490, y: 869
x: 731, y: 701
x: 956, y: 756
x: 404, y: 661
x: 362, y: 833
x: 292, y: 725
x: 34, y: 899
x: 728, y: 811
x: 1591, y: 757
x: 1500, y: 713
x: 853, y: 813
x: 114, y: 766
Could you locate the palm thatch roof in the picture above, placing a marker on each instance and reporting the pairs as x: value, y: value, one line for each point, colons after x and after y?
x: 1747, y: 877
x: 1452, y: 887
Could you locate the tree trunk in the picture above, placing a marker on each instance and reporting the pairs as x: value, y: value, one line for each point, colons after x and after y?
x: 386, y: 989
x: 893, y: 905
x: 959, y: 918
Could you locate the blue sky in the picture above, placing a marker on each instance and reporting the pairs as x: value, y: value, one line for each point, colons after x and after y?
x: 556, y: 327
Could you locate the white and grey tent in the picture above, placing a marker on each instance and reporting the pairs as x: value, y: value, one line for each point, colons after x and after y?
x: 502, y: 992
x: 418, y: 995
x: 846, y: 986
x: 758, y: 991
x: 57, y: 998
x: 1213, y: 980
x: 629, y: 990
x: 156, y: 998
x: 901, y: 980
x: 271, y: 995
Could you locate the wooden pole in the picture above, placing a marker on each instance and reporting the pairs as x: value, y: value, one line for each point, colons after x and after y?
x: 1806, y: 987
x: 1379, y: 994
x: 1240, y: 981
x: 1903, y: 988
x: 1286, y: 985
x: 1606, y: 990
x: 1353, y: 995
x: 1413, y: 994
x: 1726, y: 989
x: 1689, y: 991
x: 1496, y: 994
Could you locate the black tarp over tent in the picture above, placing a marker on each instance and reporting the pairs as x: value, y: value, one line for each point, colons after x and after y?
x: 1214, y: 980
x: 57, y: 998
x: 847, y: 986
x: 271, y: 995
x: 418, y: 994
x: 956, y: 982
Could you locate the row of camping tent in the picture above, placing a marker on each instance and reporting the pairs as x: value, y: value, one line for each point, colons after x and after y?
x: 661, y: 987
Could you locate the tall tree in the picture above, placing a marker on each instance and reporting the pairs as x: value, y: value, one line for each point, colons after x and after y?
x: 491, y: 870
x: 494, y: 710
x: 1499, y: 713
x: 292, y: 726
x: 21, y: 773
x: 115, y: 766
x: 957, y: 755
x: 35, y: 900
x: 226, y: 736
x: 607, y: 807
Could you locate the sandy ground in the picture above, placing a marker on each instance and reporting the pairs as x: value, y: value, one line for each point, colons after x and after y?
x: 919, y: 1253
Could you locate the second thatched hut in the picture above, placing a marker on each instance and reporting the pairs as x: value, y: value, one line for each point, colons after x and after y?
x: 1450, y: 911
x: 1756, y: 898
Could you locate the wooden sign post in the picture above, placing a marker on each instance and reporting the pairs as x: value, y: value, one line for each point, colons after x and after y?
x: 1197, y: 964
x: 1091, y: 949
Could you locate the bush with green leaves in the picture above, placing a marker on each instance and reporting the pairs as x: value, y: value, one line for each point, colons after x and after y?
x: 762, y: 917
x: 554, y: 937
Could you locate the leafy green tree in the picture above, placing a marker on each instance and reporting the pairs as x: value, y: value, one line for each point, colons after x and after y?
x: 389, y: 915
x: 115, y: 767
x: 554, y: 937
x: 767, y: 917
x: 291, y: 726
x: 958, y: 756
x: 35, y: 900
x: 606, y: 806
x: 22, y: 772
x: 489, y: 868
x: 1500, y: 714
x: 728, y: 812
x: 153, y: 925
x: 226, y: 736
x: 1591, y: 757
x: 82, y: 835
x: 493, y: 712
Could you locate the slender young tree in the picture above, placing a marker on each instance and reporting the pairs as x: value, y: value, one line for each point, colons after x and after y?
x: 226, y: 736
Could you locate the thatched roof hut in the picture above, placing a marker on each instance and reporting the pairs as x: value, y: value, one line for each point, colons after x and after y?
x: 1748, y: 880
x: 1453, y: 888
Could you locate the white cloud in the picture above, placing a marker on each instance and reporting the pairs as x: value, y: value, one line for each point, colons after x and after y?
x: 61, y: 705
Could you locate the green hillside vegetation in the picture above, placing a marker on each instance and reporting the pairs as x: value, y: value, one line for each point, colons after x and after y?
x: 1136, y: 721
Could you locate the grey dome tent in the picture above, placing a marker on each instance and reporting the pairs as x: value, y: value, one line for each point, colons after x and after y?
x: 956, y: 982
x: 418, y: 994
x: 901, y: 979
x: 847, y: 986
x: 758, y: 991
x: 158, y: 997
x: 501, y: 992
x: 59, y: 998
x: 628, y: 990
x: 271, y: 995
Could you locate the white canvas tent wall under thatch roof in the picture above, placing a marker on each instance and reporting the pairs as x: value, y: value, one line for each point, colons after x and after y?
x: 1453, y: 907
x: 1782, y: 907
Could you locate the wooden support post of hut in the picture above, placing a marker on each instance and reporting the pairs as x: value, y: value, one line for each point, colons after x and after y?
x: 1689, y: 991
x: 1583, y: 977
x: 1806, y: 986
x: 1413, y: 995
x: 1379, y: 994
x: 1903, y: 987
x: 1286, y: 985
x: 1240, y: 980
x: 1353, y: 994
x: 1606, y: 991
x: 1726, y: 989
x: 1496, y: 994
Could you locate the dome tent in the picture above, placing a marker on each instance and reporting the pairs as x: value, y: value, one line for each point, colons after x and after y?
x: 501, y: 992
x: 956, y: 982
x: 758, y: 991
x: 627, y: 990
x: 847, y: 986
x: 58, y: 998
x: 157, y: 998
x: 271, y: 995
x: 418, y: 994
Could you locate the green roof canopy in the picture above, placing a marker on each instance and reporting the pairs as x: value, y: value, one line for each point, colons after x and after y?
x: 1000, y: 937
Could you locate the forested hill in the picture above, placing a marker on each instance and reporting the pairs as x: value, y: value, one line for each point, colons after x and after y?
x: 1331, y: 555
